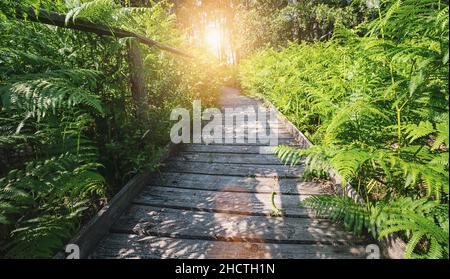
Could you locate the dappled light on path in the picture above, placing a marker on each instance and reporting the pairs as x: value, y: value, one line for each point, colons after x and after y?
x: 214, y: 203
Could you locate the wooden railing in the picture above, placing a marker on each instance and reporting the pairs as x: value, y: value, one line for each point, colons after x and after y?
x: 137, y: 78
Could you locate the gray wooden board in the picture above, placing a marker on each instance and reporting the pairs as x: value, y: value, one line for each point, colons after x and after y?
x: 245, y: 142
x: 154, y: 247
x: 237, y: 149
x: 255, y: 127
x: 147, y: 220
x: 255, y: 137
x: 281, y: 130
x: 256, y: 159
x: 225, y: 202
x: 235, y: 169
x: 235, y: 183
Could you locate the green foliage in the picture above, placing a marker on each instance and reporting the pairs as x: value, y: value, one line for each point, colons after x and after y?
x: 352, y: 214
x: 70, y: 137
x: 39, y: 93
x: 248, y: 25
x: 424, y: 222
x: 376, y: 106
x: 258, y: 24
x: 43, y: 203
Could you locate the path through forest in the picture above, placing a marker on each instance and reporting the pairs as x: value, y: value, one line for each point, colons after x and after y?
x: 214, y: 201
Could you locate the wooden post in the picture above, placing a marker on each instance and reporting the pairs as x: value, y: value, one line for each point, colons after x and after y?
x: 138, y: 87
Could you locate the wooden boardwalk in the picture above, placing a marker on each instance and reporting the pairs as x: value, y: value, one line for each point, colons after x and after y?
x: 214, y: 201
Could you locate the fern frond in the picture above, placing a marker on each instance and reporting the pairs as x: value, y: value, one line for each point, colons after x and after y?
x: 39, y: 96
x: 414, y: 132
x: 99, y: 10
x: 288, y: 154
x: 45, y: 202
x: 354, y: 215
x: 43, y: 235
x: 442, y: 135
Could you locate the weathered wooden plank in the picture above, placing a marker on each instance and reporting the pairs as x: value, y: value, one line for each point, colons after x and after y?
x: 257, y: 127
x: 240, y: 134
x: 246, y: 120
x: 236, y: 183
x: 256, y: 159
x: 235, y: 169
x: 153, y: 247
x: 231, y: 149
x: 242, y: 121
x: 224, y: 202
x: 146, y: 220
x: 252, y: 142
x: 235, y: 100
x: 243, y: 139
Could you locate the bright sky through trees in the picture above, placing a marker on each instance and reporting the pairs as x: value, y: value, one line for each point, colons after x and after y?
x: 213, y: 38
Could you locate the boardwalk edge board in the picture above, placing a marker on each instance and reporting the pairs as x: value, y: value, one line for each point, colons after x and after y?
x: 98, y: 227
x: 391, y: 246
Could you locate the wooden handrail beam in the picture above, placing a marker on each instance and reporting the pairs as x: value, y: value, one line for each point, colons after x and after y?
x: 56, y: 19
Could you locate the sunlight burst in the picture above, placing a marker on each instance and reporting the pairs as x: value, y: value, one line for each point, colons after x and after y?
x: 213, y: 38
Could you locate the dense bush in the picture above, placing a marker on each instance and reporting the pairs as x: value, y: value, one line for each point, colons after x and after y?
x: 376, y: 106
x: 70, y: 137
x: 261, y: 23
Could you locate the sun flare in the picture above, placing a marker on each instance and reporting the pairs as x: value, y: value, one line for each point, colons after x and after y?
x: 213, y: 38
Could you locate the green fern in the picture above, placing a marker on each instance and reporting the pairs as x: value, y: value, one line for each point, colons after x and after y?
x: 353, y: 215
x: 416, y: 219
x: 376, y: 108
x: 97, y: 9
x: 414, y: 132
x: 44, y: 203
x: 42, y: 236
x: 38, y: 95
